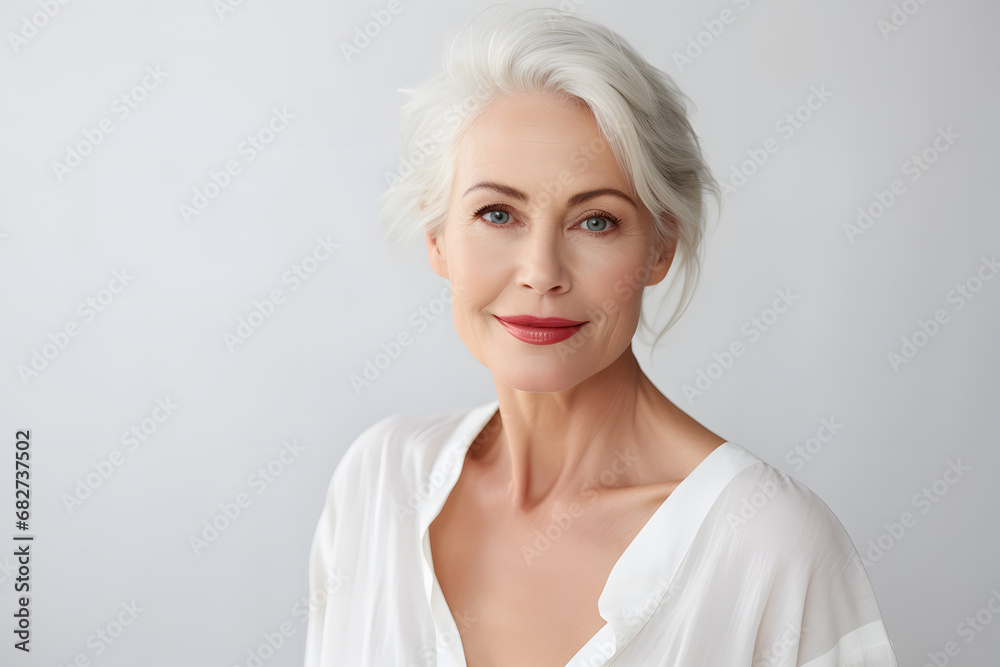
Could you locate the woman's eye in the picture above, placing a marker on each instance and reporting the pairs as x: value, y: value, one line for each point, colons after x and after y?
x: 602, y: 223
x: 498, y: 217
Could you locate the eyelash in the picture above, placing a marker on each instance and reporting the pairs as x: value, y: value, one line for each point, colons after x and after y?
x: 615, y: 222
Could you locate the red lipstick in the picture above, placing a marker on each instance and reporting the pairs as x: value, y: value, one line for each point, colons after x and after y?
x: 539, y: 330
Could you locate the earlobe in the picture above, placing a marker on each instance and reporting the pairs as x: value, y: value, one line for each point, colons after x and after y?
x: 658, y: 271
x: 435, y: 255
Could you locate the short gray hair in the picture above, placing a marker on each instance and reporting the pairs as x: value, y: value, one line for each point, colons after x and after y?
x: 512, y: 51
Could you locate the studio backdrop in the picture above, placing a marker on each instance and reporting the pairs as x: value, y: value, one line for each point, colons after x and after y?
x: 199, y: 313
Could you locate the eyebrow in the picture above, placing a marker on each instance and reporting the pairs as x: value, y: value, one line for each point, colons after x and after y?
x: 573, y: 201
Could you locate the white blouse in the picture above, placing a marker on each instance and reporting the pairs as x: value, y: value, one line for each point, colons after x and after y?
x: 741, y: 566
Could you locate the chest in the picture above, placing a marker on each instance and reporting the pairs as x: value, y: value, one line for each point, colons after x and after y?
x: 525, y: 592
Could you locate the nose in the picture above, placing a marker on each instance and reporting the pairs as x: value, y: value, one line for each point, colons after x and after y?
x: 542, y: 266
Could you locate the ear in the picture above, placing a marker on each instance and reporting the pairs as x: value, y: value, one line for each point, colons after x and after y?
x: 435, y: 255
x: 658, y: 271
x: 435, y: 251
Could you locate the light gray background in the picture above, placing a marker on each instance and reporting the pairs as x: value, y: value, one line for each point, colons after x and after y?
x: 162, y: 336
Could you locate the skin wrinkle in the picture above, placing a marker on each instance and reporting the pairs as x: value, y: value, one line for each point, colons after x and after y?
x: 561, y: 418
x: 573, y: 201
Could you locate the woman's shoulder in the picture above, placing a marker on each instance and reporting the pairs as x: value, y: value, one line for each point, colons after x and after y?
x: 768, y: 507
x: 401, y: 444
x: 773, y: 534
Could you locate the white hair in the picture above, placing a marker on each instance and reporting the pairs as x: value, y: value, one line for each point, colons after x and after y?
x: 513, y: 51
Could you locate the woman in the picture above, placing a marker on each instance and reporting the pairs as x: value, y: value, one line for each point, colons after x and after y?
x: 580, y: 518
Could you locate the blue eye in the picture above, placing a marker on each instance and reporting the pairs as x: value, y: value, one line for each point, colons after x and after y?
x: 601, y: 218
x: 499, y: 217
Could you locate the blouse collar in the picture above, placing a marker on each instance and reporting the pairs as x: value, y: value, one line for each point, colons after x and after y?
x: 643, y: 574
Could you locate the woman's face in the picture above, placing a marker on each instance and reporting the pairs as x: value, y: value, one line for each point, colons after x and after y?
x: 534, y: 228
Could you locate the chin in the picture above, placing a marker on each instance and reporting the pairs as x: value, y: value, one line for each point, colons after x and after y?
x: 537, y: 376
x: 537, y: 386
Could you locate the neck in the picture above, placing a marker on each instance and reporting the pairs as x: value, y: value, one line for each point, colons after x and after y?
x: 551, y: 447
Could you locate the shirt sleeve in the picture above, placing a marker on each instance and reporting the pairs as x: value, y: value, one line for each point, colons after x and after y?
x: 321, y: 560
x: 821, y: 610
x: 840, y: 610
x: 333, y: 554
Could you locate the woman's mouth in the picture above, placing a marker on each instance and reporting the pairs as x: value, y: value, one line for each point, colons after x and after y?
x: 539, y: 330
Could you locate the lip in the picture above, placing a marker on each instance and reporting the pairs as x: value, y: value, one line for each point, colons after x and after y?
x: 532, y: 321
x: 539, y: 330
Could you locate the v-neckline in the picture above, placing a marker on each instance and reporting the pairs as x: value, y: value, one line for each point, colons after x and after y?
x: 459, y: 449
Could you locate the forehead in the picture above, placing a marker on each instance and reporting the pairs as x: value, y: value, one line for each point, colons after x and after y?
x: 527, y: 141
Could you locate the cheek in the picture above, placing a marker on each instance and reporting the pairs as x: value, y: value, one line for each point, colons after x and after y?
x: 617, y: 293
x: 476, y: 277
x: 477, y: 270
